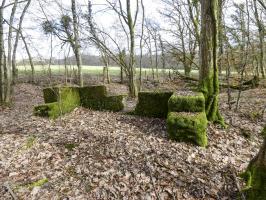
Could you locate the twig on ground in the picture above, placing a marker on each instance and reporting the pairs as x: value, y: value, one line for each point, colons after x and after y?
x: 7, y: 186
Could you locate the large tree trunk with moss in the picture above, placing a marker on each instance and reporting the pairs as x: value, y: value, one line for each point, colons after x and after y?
x: 255, y: 174
x: 209, y: 83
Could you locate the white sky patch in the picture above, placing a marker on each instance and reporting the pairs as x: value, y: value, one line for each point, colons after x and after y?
x: 40, y: 44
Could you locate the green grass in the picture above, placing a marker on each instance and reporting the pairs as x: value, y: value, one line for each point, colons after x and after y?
x: 93, y: 70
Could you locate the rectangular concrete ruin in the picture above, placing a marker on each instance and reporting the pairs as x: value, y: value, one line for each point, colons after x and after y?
x: 61, y: 100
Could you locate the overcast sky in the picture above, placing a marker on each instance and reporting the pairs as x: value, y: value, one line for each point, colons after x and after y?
x: 39, y: 43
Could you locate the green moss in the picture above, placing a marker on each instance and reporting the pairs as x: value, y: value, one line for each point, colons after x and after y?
x: 38, y: 183
x: 92, y: 92
x: 153, y: 104
x: 263, y: 132
x: 188, y: 127
x: 51, y: 110
x: 95, y: 97
x: 50, y: 95
x: 255, y: 177
x: 30, y: 142
x: 67, y: 99
x: 190, y: 103
x: 114, y: 103
x: 110, y: 103
x: 70, y: 146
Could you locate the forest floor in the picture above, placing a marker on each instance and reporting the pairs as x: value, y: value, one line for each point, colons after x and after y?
x: 103, y: 155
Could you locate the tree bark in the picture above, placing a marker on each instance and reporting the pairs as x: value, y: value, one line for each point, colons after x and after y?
x: 209, y: 83
x: 9, y: 41
x: 141, y: 44
x: 30, y: 58
x: 255, y: 174
x: 76, y: 41
x: 261, y: 38
x: 2, y: 56
x: 14, y: 68
x: 132, y: 69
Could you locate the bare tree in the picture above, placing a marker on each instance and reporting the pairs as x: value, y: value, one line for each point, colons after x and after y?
x: 5, y: 61
x: 19, y: 29
x: 66, y: 29
x: 183, y: 17
x: 128, y: 23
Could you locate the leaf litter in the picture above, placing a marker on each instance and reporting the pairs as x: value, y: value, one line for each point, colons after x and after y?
x: 103, y: 155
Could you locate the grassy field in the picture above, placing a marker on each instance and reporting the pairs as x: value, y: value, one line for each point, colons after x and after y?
x: 92, y: 70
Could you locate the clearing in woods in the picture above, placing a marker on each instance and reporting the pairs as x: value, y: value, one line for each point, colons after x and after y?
x: 89, y: 154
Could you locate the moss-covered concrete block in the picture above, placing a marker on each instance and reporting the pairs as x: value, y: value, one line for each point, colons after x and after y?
x: 51, y: 110
x: 153, y: 104
x: 63, y: 94
x: 110, y: 103
x: 186, y: 102
x: 182, y: 126
x: 59, y: 100
x: 50, y: 94
x: 92, y: 92
x: 114, y: 103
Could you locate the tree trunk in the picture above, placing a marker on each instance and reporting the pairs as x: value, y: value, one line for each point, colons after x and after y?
x: 30, y: 58
x: 261, y: 38
x: 220, y: 35
x: 51, y: 56
x: 3, y: 76
x: 141, y: 44
x: 121, y: 75
x: 9, y: 42
x: 209, y: 83
x: 132, y: 70
x: 14, y: 68
x: 187, y: 68
x: 255, y: 174
x: 76, y: 41
x: 8, y: 65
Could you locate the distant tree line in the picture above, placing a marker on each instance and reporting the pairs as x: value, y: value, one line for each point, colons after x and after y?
x: 92, y: 60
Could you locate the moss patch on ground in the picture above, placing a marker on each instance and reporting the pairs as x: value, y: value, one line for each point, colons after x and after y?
x: 187, y: 103
x: 30, y: 142
x: 188, y: 127
x: 153, y: 104
x: 70, y: 146
x: 38, y: 183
